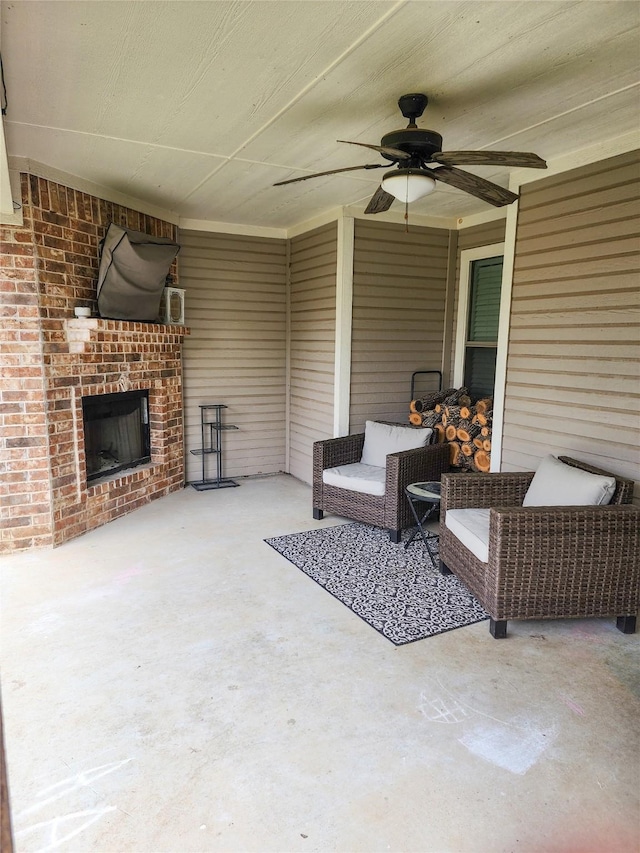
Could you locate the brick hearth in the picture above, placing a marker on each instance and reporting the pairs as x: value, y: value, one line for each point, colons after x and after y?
x: 50, y: 360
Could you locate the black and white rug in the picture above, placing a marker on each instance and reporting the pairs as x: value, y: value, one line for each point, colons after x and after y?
x: 399, y: 592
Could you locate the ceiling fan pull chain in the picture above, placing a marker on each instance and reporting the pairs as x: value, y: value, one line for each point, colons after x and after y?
x: 406, y: 217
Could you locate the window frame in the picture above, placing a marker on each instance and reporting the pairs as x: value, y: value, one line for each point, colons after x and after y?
x: 467, y: 257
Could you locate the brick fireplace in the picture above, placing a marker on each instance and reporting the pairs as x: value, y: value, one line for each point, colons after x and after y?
x: 50, y: 360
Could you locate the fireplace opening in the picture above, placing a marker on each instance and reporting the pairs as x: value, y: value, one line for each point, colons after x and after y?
x: 116, y: 432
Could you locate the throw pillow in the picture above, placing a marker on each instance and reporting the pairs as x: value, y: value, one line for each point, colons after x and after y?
x: 381, y: 439
x: 557, y: 484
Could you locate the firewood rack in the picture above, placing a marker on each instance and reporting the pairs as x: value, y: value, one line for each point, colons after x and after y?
x: 211, y: 428
x: 415, y: 373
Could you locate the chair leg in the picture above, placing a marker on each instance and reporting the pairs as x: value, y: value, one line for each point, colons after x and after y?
x: 626, y: 624
x: 444, y: 570
x: 395, y: 536
x: 498, y: 628
x: 318, y: 514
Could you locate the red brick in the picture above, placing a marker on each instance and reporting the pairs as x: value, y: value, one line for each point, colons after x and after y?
x: 15, y: 248
x: 67, y: 228
x: 22, y: 237
x: 45, y: 193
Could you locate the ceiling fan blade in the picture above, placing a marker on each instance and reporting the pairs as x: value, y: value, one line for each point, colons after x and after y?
x: 396, y: 153
x: 472, y: 184
x: 489, y: 158
x: 380, y: 201
x: 332, y: 172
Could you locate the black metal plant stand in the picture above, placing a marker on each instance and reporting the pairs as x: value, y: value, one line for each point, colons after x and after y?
x: 211, y: 428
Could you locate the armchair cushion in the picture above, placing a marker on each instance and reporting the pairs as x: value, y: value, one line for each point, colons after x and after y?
x: 557, y: 484
x: 382, y: 439
x: 471, y: 527
x: 357, y: 477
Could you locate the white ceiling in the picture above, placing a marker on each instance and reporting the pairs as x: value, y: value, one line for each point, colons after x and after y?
x: 199, y: 107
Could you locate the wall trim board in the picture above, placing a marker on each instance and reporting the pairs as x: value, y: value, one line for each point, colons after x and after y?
x: 582, y: 157
x: 16, y: 217
x: 232, y: 228
x: 450, y: 297
x: 415, y: 219
x: 344, y: 317
x: 504, y: 323
x: 6, y: 186
x: 480, y: 218
x: 287, y: 361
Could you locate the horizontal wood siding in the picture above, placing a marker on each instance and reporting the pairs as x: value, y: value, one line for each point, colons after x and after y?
x: 313, y: 264
x: 235, y: 307
x: 481, y: 235
x: 472, y: 238
x: 574, y: 351
x: 399, y: 292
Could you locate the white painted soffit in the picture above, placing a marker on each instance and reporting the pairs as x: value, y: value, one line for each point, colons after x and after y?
x: 199, y: 108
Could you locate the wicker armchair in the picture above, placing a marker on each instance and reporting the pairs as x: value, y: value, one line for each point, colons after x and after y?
x: 546, y: 562
x: 391, y: 510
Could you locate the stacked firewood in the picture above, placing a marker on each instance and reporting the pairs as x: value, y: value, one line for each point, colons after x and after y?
x: 457, y: 421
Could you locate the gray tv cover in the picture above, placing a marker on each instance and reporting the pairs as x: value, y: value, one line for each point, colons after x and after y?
x: 132, y: 274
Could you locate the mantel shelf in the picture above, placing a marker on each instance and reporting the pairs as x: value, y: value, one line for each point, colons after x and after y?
x: 84, y: 332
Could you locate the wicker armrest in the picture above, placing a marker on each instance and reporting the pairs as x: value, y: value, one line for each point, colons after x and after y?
x: 484, y: 490
x: 537, y: 554
x: 420, y: 465
x: 337, y: 451
x: 583, y: 524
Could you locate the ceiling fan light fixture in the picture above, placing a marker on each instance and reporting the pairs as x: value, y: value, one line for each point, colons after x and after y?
x: 408, y: 185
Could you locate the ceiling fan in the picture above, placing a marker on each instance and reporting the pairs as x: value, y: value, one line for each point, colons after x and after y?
x: 420, y: 163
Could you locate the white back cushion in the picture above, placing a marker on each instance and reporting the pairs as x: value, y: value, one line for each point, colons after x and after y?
x: 381, y: 439
x: 557, y: 484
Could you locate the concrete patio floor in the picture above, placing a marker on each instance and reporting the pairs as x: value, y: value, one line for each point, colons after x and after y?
x: 171, y: 683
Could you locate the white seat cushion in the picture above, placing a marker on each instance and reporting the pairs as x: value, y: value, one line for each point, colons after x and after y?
x: 471, y: 527
x: 382, y: 439
x: 557, y: 484
x: 357, y: 477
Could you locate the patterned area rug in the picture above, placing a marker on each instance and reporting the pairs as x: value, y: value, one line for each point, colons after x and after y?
x: 399, y: 592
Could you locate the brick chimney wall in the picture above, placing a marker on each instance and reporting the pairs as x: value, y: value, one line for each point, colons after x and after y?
x: 49, y: 360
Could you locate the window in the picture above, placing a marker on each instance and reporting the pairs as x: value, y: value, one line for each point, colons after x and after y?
x: 478, y: 319
x: 482, y: 327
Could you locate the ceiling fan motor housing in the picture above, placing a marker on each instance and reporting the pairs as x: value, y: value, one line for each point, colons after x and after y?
x: 416, y: 141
